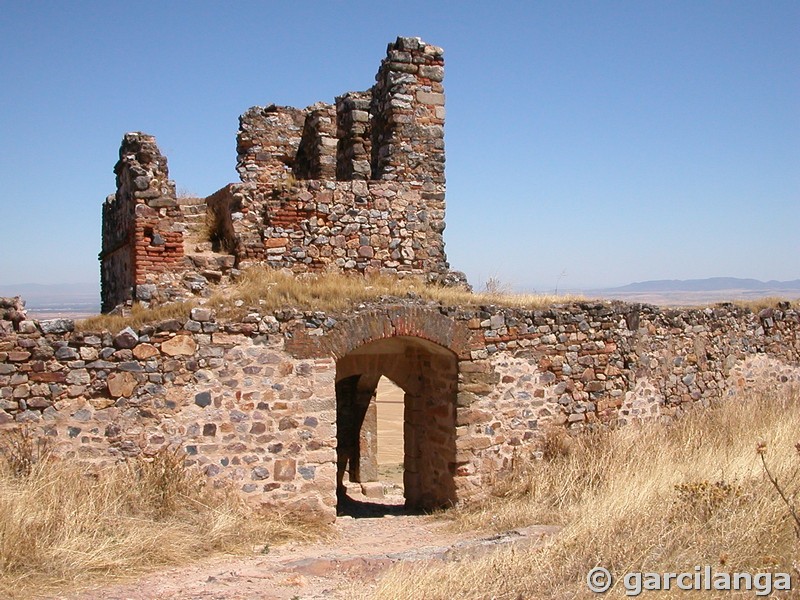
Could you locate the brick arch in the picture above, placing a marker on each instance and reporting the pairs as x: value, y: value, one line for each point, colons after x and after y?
x: 355, y: 330
x: 390, y: 364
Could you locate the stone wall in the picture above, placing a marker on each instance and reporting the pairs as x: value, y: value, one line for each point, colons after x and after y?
x: 408, y: 113
x: 256, y: 403
x: 142, y: 231
x: 267, y: 142
x: 243, y: 410
x: 357, y: 186
x: 316, y: 155
x: 354, y: 133
x: 361, y: 226
x: 304, y: 203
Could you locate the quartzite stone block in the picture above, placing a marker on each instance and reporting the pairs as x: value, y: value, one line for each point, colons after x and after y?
x: 126, y: 339
x: 144, y: 351
x: 55, y: 326
x: 121, y: 384
x: 180, y: 345
x: 285, y: 469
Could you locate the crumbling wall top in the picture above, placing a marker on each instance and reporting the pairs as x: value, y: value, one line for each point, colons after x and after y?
x: 142, y: 170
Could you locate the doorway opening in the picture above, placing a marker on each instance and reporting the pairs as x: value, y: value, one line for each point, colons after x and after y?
x: 427, y: 376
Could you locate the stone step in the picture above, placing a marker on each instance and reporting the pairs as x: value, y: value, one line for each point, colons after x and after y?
x: 185, y: 201
x: 212, y: 260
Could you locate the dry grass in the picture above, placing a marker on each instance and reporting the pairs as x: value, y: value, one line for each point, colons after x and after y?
x: 265, y: 289
x: 268, y: 289
x: 138, y: 315
x: 758, y: 304
x: 61, y: 527
x: 660, y: 498
x: 271, y: 289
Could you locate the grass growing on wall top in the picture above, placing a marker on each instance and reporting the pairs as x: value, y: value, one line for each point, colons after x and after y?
x: 265, y: 290
x: 656, y: 498
x: 139, y: 315
x: 268, y: 289
x: 272, y: 289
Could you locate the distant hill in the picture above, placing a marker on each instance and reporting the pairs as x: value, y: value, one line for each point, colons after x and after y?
x: 711, y: 284
x: 677, y: 292
x: 54, y: 300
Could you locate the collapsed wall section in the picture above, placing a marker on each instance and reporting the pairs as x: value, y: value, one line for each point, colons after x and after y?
x: 354, y: 133
x: 356, y: 186
x: 408, y: 114
x: 316, y: 154
x: 394, y: 131
x: 267, y: 142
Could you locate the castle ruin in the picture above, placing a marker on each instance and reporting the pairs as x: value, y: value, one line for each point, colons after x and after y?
x: 357, y: 186
x: 276, y: 404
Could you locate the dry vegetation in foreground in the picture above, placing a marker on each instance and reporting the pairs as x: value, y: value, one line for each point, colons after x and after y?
x: 656, y: 498
x: 269, y: 289
x: 61, y: 527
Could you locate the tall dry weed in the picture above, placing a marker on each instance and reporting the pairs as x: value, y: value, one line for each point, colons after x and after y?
x: 23, y: 451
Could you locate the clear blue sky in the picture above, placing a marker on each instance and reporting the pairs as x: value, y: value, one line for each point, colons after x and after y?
x: 596, y: 142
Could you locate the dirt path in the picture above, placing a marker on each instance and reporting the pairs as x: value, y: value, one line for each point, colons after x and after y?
x: 362, y: 549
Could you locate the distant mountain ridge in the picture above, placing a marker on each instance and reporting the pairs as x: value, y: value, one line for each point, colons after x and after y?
x: 710, y: 284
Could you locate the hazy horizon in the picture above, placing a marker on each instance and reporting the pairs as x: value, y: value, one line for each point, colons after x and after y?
x: 728, y: 283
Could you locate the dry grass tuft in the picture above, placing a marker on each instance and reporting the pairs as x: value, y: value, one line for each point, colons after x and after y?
x: 658, y: 498
x: 61, y: 526
x: 137, y: 316
x: 23, y: 451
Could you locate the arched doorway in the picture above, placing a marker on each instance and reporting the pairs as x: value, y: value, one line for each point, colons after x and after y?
x: 428, y: 376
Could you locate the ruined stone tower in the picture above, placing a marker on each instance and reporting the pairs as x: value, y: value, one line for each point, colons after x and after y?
x: 357, y: 185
